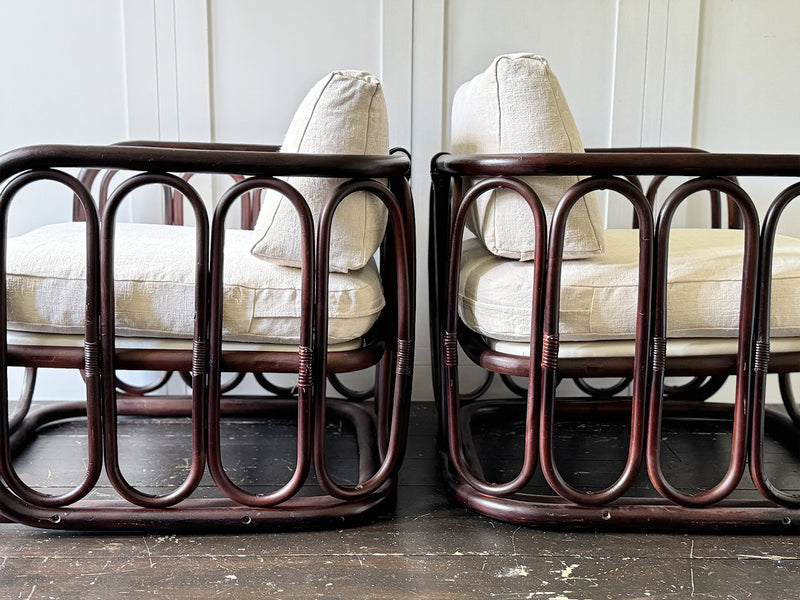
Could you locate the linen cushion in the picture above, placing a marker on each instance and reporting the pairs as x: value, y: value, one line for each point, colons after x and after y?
x: 344, y: 113
x: 598, y: 294
x: 517, y: 106
x: 154, y: 287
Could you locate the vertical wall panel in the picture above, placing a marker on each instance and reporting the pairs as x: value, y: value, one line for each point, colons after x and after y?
x: 576, y: 37
x: 629, y: 69
x: 748, y: 86
x: 167, y: 69
x: 141, y: 69
x: 426, y: 140
x: 267, y: 55
x: 654, y: 76
x: 62, y: 82
x: 63, y: 78
x: 680, y: 73
x: 193, y: 65
x: 397, y: 44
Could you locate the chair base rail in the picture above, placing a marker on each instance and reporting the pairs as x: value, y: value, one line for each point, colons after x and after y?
x: 738, y: 513
x: 208, y: 515
x: 199, y: 514
x: 639, y: 514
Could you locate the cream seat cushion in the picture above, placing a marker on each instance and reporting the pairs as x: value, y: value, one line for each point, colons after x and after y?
x: 344, y: 113
x: 598, y: 294
x: 154, y: 287
x: 517, y: 106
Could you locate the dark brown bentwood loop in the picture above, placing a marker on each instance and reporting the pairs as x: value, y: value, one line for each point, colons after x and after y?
x: 762, y: 355
x: 550, y: 334
x: 200, y: 343
x: 304, y: 365
x: 450, y: 350
x: 402, y: 239
x: 91, y: 345
x: 746, y: 320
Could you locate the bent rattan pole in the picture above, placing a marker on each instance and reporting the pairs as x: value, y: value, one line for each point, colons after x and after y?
x: 180, y: 160
x: 761, y: 356
x: 304, y: 382
x: 91, y: 363
x: 199, y: 352
x: 611, y: 163
x: 402, y: 240
x: 439, y: 217
x: 550, y: 335
x: 25, y: 399
x: 450, y: 340
x: 746, y: 320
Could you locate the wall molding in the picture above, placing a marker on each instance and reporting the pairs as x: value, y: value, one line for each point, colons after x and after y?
x: 141, y: 79
x: 428, y: 102
x: 167, y: 69
x: 655, y: 68
x: 397, y: 51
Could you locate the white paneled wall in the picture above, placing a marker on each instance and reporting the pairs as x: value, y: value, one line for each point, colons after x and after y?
x: 720, y: 74
x: 748, y: 86
x: 62, y: 79
x: 266, y: 55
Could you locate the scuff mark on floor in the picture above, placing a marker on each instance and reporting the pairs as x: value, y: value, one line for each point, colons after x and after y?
x: 517, y: 571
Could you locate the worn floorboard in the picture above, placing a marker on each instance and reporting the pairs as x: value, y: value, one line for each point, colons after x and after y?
x: 427, y: 548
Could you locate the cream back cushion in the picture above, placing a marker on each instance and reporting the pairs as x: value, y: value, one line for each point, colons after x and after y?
x: 344, y: 113
x: 517, y: 106
x: 599, y: 294
x: 154, y: 287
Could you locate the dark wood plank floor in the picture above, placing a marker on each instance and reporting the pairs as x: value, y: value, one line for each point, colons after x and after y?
x: 427, y: 548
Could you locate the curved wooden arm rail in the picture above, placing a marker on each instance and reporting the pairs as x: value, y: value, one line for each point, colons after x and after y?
x: 211, y: 370
x: 456, y: 182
